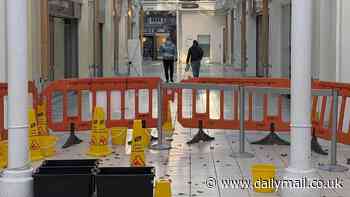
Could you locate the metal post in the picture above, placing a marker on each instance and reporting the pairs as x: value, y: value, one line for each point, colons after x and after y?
x: 242, y: 153
x: 244, y: 37
x: 160, y: 145
x: 333, y: 166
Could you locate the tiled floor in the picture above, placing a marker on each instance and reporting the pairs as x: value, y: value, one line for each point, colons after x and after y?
x: 189, y: 167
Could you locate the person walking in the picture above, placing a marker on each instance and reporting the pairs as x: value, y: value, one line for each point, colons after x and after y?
x: 169, y: 55
x: 195, y: 55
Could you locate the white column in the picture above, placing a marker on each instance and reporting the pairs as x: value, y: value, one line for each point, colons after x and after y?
x: 16, y: 180
x: 3, y: 66
x: 300, y: 157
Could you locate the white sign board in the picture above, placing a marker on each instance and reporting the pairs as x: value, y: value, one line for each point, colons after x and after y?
x: 135, y: 57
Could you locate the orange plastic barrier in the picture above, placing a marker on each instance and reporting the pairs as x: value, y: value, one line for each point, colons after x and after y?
x: 233, y: 122
x: 3, y: 93
x: 273, y: 107
x: 72, y: 101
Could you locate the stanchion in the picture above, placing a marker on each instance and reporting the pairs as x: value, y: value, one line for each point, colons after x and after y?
x: 201, y: 135
x: 272, y: 138
x: 160, y: 144
x: 242, y: 153
x: 333, y: 166
x: 72, y: 139
x: 315, y: 145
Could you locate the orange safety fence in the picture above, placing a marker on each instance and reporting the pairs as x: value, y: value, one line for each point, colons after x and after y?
x: 123, y: 100
x: 3, y: 105
x: 219, y: 109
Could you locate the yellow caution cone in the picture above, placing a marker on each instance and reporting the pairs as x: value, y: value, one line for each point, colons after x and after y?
x: 137, y: 158
x: 163, y: 188
x: 47, y: 142
x: 168, y: 127
x: 33, y: 124
x: 34, y: 140
x: 99, y: 144
x: 119, y: 135
x: 98, y: 122
x: 99, y: 136
x: 146, y: 133
x: 3, y: 154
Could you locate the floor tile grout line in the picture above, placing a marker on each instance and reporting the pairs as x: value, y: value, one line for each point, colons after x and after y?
x: 236, y: 161
x: 190, y: 169
x: 215, y: 170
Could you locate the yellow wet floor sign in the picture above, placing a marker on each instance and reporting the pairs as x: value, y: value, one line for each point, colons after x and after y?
x: 33, y: 125
x: 34, y: 141
x: 99, y: 135
x: 42, y: 120
x: 137, y: 158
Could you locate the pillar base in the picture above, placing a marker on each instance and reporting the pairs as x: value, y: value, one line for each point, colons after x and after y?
x: 244, y: 155
x: 17, y: 183
x: 333, y: 168
x: 160, y: 147
x: 297, y: 176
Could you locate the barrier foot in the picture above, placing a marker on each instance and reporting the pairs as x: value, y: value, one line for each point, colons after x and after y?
x: 72, y: 139
x: 243, y: 155
x: 315, y: 146
x: 272, y: 138
x: 201, y: 135
x: 333, y: 168
x: 153, y: 138
x: 160, y: 147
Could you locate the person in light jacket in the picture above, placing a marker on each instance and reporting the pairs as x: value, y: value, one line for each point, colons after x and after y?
x: 169, y: 54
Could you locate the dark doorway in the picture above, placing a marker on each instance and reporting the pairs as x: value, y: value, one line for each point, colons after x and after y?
x: 71, y: 69
x: 260, y: 67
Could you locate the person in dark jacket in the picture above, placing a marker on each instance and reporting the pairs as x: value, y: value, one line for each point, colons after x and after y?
x: 195, y: 55
x: 169, y: 54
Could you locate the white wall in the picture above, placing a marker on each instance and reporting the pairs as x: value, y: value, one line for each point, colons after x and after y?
x: 344, y: 44
x: 275, y: 41
x: 86, y: 54
x: 34, y: 40
x: 108, y: 41
x: 331, y: 41
x: 327, y: 50
x: 3, y: 66
x: 196, y: 23
x: 123, y: 38
x: 237, y: 39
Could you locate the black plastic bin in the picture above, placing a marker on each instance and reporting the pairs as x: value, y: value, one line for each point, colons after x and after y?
x: 125, y: 181
x: 78, y: 162
x: 64, y: 182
